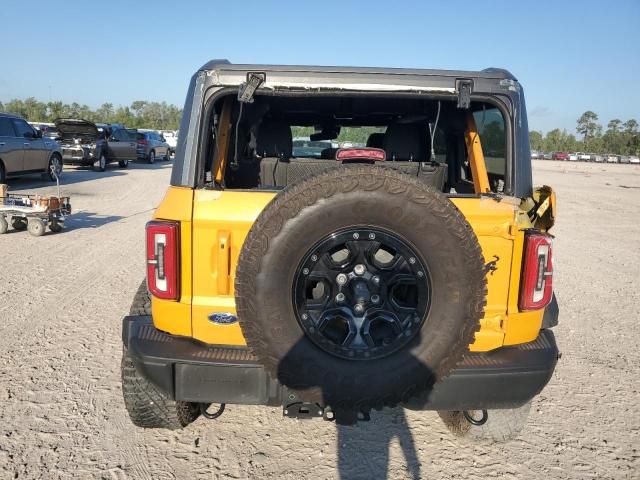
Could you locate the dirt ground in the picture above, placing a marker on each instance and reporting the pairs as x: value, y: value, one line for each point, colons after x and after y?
x: 62, y: 298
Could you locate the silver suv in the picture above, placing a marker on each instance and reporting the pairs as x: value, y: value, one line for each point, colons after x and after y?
x: 23, y: 150
x: 152, y: 145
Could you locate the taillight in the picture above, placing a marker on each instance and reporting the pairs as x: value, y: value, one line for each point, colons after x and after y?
x: 142, y: 141
x: 163, y: 244
x: 536, y: 287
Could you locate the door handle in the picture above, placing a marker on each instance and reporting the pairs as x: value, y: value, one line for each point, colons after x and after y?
x: 223, y: 256
x: 27, y: 143
x: 2, y: 144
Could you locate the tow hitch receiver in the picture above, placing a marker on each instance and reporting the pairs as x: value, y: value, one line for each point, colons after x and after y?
x: 304, y: 410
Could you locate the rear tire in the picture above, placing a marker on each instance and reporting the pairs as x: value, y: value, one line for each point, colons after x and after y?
x: 123, y: 163
x: 4, y: 226
x: 167, y: 156
x: 152, y: 157
x: 502, y: 425
x: 147, y: 406
x: 36, y: 227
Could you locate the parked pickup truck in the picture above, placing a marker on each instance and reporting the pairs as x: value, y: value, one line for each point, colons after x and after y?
x: 362, y: 278
x: 84, y: 143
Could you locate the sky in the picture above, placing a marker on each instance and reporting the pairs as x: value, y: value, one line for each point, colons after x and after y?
x: 570, y: 56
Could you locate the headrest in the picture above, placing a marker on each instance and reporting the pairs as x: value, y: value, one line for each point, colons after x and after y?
x: 328, y: 153
x: 376, y: 140
x: 274, y: 140
x: 406, y: 142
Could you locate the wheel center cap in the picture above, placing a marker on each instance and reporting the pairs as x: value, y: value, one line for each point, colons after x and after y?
x: 361, y: 291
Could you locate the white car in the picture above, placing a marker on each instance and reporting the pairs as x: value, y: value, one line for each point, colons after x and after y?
x: 573, y: 157
x: 584, y: 157
x: 611, y: 159
x: 171, y: 137
x: 634, y: 159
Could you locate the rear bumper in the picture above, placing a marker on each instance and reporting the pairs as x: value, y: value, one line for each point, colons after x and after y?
x: 191, y: 371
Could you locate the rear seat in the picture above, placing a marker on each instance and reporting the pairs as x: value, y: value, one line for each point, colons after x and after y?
x: 407, y: 146
x: 406, y: 143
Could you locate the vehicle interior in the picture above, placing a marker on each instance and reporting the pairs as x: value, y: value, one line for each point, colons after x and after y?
x: 252, y: 144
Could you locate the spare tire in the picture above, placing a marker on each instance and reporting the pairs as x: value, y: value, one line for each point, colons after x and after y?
x: 360, y: 287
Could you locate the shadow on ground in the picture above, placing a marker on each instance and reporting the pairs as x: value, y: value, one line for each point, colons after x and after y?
x: 89, y: 220
x: 363, y: 449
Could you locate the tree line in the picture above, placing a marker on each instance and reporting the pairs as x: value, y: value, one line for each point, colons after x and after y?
x: 140, y: 114
x: 621, y: 138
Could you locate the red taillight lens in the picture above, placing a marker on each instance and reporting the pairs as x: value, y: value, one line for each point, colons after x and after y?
x: 376, y: 154
x: 536, y: 284
x: 163, y: 244
x: 142, y: 141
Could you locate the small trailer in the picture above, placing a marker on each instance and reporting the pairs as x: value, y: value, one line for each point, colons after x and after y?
x: 32, y: 212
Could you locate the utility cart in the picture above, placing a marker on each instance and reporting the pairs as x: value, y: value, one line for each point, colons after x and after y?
x: 32, y: 212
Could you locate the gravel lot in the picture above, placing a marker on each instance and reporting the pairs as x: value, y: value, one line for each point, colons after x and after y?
x: 62, y: 298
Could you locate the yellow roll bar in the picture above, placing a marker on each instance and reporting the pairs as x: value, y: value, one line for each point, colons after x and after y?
x: 476, y: 157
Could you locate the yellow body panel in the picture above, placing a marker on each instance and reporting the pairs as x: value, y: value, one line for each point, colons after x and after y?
x: 220, y: 219
x: 214, y: 231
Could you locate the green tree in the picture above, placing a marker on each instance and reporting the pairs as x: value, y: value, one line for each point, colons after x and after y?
x: 587, y: 125
x: 614, y: 125
x: 105, y: 113
x: 55, y: 110
x: 631, y: 126
x: 536, y: 140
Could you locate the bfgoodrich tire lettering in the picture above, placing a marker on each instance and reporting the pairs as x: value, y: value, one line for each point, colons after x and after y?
x: 370, y: 197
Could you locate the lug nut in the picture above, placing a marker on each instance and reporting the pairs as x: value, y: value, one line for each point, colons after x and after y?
x: 376, y: 279
x: 341, y: 279
x: 359, y: 269
x: 375, y: 299
x: 358, y: 308
x: 340, y: 297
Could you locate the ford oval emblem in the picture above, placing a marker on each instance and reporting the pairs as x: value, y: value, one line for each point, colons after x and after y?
x: 223, y: 318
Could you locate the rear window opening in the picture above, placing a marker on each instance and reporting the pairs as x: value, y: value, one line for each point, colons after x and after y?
x: 279, y: 140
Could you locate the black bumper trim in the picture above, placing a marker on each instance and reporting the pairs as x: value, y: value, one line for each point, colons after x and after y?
x: 192, y: 371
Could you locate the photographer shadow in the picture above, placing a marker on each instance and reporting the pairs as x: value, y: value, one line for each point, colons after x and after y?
x: 362, y: 446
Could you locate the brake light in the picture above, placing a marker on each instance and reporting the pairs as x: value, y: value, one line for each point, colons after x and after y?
x: 163, y: 243
x: 142, y: 141
x: 376, y: 154
x: 536, y: 282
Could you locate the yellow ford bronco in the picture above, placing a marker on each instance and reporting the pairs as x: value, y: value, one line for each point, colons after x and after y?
x: 336, y: 240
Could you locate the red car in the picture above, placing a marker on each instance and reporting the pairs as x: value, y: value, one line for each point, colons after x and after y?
x: 560, y: 156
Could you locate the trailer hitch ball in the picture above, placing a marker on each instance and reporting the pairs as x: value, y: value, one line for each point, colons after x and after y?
x: 476, y: 421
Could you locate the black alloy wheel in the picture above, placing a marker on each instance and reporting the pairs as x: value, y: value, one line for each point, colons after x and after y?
x: 361, y: 293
